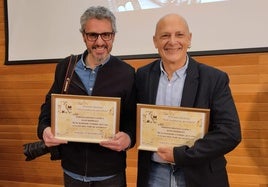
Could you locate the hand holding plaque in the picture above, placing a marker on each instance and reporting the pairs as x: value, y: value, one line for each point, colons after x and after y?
x: 170, y: 126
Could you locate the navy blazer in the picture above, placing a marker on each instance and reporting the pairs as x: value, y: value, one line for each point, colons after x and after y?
x: 203, y: 164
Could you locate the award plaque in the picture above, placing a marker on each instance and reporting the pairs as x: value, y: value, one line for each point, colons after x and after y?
x: 169, y: 126
x: 84, y: 118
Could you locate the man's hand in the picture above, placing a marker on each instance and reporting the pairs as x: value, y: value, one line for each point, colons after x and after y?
x: 120, y: 142
x: 166, y: 153
x: 50, y: 140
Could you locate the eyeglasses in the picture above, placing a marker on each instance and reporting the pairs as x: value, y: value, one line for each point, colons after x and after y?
x: 92, y: 36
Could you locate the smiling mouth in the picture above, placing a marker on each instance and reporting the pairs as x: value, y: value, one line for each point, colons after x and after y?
x: 172, y: 49
x: 100, y: 50
x: 100, y: 47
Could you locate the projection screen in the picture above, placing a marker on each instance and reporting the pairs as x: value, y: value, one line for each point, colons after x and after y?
x: 39, y: 31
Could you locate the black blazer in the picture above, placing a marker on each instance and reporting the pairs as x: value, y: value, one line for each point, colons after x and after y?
x: 205, y: 87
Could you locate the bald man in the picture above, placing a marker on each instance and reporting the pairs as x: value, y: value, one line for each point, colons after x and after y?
x: 176, y: 79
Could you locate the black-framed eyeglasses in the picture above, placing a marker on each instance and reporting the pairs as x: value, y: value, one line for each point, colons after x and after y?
x: 93, y: 36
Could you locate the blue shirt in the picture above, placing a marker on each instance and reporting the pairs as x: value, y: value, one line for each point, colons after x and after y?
x: 169, y: 92
x: 88, y: 75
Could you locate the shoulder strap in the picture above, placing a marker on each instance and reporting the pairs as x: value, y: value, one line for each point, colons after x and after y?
x: 69, y: 73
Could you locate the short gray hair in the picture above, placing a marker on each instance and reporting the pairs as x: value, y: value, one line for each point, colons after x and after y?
x: 97, y: 12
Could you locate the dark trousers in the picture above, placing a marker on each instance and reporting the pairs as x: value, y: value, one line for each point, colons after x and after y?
x: 116, y: 181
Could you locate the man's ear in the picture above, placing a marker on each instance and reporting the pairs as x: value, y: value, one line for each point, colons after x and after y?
x: 190, y: 40
x: 155, y: 43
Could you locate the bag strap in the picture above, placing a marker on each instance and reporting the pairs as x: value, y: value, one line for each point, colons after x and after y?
x: 69, y: 73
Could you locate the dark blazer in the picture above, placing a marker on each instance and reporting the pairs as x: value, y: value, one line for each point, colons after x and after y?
x: 203, y: 164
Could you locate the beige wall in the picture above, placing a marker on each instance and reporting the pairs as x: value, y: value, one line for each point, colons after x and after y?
x: 23, y: 87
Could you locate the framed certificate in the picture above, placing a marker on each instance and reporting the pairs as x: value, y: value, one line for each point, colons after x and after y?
x: 169, y: 126
x: 84, y: 118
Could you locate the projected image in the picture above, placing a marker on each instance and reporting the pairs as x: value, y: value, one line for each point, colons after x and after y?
x: 136, y: 19
x: 126, y: 5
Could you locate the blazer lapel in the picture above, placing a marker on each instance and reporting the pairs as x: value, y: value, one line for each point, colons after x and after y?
x: 153, y: 82
x: 190, y: 85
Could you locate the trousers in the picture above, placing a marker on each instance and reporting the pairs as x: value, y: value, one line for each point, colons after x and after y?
x: 116, y: 181
x: 165, y: 175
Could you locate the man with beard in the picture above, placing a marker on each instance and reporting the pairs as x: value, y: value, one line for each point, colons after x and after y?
x: 96, y: 73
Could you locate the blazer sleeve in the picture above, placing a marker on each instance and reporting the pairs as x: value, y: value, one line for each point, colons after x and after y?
x: 224, y: 132
x: 44, y: 119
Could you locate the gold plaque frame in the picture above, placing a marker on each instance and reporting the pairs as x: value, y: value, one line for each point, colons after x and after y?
x: 169, y: 126
x: 88, y: 119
